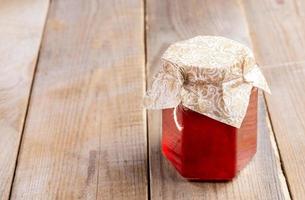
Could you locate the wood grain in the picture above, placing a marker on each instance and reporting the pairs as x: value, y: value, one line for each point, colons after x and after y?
x: 278, y: 32
x: 169, y: 21
x: 21, y: 28
x: 287, y: 110
x: 85, y: 135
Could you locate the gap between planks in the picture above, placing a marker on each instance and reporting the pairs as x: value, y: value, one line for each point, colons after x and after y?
x: 29, y: 98
x: 145, y: 88
x: 24, y: 122
x: 282, y: 173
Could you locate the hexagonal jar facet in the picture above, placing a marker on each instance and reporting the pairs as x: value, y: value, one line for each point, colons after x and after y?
x: 201, y: 148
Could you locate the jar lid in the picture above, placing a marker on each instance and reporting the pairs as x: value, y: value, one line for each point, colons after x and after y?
x: 207, y: 52
x: 208, y: 74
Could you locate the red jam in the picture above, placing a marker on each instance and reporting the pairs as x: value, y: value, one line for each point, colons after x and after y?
x: 201, y: 148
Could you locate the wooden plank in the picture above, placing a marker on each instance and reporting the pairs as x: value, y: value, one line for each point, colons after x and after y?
x: 287, y: 85
x: 21, y: 28
x: 278, y: 30
x: 85, y: 136
x: 169, y: 21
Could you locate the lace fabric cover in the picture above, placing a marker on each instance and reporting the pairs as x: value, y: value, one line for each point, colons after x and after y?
x: 211, y: 75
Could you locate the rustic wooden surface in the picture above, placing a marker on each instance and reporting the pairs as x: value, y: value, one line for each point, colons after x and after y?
x: 74, y: 128
x: 279, y: 43
x: 81, y: 141
x: 21, y: 27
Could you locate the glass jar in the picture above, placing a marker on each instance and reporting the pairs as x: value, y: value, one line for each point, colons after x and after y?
x: 207, y: 87
x: 202, y: 148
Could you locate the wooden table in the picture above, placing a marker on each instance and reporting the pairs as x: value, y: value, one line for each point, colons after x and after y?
x: 73, y: 74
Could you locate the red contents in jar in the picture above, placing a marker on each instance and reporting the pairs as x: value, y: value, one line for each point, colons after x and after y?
x: 201, y: 148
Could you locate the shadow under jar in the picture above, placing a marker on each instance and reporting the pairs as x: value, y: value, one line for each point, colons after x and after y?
x: 202, y: 148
